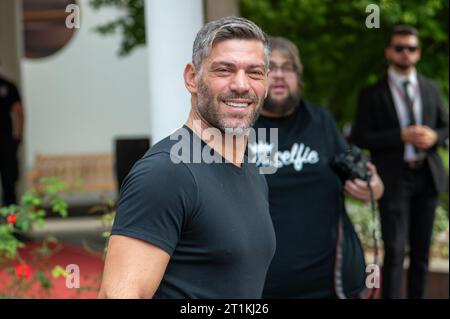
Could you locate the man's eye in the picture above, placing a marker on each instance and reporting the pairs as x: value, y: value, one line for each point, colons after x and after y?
x: 222, y: 70
x: 257, y: 74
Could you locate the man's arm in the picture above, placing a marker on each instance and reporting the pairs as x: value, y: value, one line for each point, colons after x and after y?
x: 156, y: 200
x: 442, y: 124
x: 133, y: 268
x: 17, y: 111
x: 424, y: 137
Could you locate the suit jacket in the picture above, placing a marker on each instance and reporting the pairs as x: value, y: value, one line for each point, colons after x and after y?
x: 377, y: 128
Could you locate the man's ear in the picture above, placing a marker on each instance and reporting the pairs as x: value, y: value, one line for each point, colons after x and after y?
x: 419, y: 53
x: 267, y: 85
x: 190, y: 78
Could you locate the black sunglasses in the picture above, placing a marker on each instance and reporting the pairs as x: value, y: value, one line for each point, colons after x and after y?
x: 400, y: 48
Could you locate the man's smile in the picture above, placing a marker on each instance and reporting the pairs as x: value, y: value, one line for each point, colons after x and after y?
x: 240, y: 104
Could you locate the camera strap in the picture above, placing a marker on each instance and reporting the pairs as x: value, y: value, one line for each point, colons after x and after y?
x: 373, y: 293
x: 338, y: 277
x: 338, y: 282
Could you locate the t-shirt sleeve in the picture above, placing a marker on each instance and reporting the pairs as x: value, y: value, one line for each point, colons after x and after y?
x: 156, y: 200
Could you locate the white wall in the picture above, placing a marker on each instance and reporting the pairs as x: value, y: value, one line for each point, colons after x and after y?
x: 80, y: 98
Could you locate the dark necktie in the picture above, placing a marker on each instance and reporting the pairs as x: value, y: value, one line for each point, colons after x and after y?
x: 410, y: 109
x: 409, y: 104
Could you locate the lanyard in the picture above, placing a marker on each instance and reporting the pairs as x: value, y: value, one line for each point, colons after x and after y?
x: 401, y: 92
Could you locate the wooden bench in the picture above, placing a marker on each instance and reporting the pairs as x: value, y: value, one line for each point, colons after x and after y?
x: 93, y: 172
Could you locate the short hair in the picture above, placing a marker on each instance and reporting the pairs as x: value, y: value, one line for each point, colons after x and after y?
x: 226, y: 29
x: 285, y: 46
x: 403, y: 30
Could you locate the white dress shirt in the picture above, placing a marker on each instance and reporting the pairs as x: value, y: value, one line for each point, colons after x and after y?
x: 396, y: 85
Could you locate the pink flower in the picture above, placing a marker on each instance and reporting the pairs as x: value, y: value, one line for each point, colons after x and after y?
x: 11, y: 219
x: 23, y: 271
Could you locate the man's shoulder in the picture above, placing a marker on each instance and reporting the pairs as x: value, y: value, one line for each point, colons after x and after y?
x: 316, y: 111
x: 158, y: 164
x: 166, y: 144
x: 427, y: 82
x: 4, y: 81
x: 375, y: 87
x: 8, y: 84
x: 424, y: 78
x: 162, y: 157
x: 157, y: 171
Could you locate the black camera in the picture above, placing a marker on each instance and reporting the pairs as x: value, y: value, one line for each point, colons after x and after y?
x: 351, y: 165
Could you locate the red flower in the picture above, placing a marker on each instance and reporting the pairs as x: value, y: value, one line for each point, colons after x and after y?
x: 23, y: 271
x: 12, y: 219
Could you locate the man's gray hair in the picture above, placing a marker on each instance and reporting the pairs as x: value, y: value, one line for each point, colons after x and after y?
x: 226, y: 29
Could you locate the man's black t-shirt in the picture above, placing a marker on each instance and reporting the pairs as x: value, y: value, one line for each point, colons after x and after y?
x: 212, y: 219
x: 8, y: 96
x: 306, y: 200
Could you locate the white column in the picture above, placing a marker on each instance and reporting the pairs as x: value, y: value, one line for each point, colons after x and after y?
x: 11, y: 40
x: 171, y: 26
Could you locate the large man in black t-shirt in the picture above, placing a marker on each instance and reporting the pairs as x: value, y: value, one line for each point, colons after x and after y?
x: 10, y: 138
x: 193, y: 216
x: 305, y: 195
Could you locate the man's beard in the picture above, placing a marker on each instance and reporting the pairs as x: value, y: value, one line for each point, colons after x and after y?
x: 210, y: 111
x: 282, y: 107
x: 403, y: 66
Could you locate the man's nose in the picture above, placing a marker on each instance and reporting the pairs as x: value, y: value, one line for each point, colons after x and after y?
x: 405, y: 51
x: 276, y: 73
x: 240, y: 82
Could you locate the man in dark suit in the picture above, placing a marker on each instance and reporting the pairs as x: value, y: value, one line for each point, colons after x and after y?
x: 402, y: 120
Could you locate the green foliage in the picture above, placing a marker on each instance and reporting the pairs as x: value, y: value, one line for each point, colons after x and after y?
x: 340, y: 54
x: 440, y: 234
x: 361, y: 217
x: 44, y: 280
x: 108, y: 210
x: 443, y: 198
x: 19, y: 219
x: 131, y: 24
x: 30, y: 212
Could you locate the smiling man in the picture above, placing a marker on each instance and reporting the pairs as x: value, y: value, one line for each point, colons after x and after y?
x: 200, y: 230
